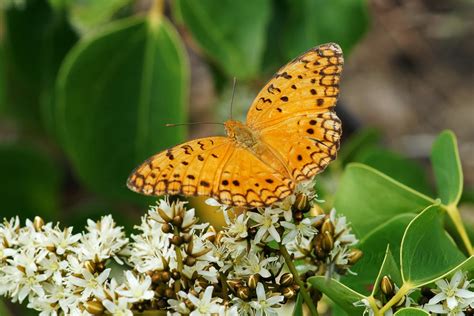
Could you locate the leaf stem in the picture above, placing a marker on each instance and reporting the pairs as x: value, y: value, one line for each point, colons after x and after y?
x: 453, y: 212
x: 303, y: 290
x: 395, y: 299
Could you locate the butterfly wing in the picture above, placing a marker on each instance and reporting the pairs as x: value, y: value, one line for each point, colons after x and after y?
x: 211, y: 166
x: 294, y: 112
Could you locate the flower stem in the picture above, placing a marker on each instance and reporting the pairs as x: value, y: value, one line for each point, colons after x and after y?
x: 303, y: 290
x: 395, y: 299
x: 453, y: 212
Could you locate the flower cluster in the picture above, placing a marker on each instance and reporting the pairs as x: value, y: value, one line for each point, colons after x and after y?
x: 452, y: 297
x: 173, y: 262
x: 449, y: 297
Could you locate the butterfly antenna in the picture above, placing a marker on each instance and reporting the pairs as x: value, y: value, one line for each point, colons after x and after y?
x: 233, y: 94
x: 193, y: 123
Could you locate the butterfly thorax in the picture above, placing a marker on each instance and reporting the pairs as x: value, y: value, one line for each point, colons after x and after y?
x: 241, y: 134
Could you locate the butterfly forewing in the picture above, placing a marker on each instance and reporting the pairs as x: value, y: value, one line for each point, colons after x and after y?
x: 307, y: 84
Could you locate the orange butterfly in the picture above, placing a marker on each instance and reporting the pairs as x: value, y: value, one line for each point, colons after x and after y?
x: 291, y: 134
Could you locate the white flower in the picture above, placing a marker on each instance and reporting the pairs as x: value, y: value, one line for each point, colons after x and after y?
x: 237, y: 228
x: 342, y: 230
x: 134, y: 289
x: 368, y: 308
x: 206, y: 304
x: 451, y: 294
x: 92, y: 284
x: 62, y: 240
x: 25, y: 282
x: 267, y: 223
x: 253, y: 264
x: 304, y: 229
x: 264, y: 305
x: 119, y: 307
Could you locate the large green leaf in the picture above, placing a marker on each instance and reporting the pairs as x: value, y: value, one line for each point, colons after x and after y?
x: 231, y: 32
x: 411, y: 311
x: 30, y: 183
x: 373, y: 247
x: 369, y: 198
x: 447, y: 168
x: 427, y: 250
x: 115, y: 93
x: 340, y: 294
x: 37, y: 39
x: 312, y: 22
x: 396, y: 166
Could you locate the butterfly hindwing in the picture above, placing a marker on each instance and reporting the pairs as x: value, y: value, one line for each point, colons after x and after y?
x: 306, y: 143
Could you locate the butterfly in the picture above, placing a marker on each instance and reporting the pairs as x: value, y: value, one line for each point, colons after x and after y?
x: 291, y: 134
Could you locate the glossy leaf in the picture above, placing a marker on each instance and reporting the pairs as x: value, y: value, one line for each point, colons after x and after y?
x: 37, y: 39
x: 402, y: 169
x: 427, y: 250
x: 447, y: 168
x: 31, y: 183
x: 369, y: 198
x: 340, y: 294
x: 232, y: 33
x: 411, y: 311
x: 115, y: 93
x: 374, y: 247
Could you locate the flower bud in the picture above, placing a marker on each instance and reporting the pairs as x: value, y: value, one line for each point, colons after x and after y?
x: 166, y: 228
x: 387, y: 287
x: 175, y: 275
x: 253, y: 281
x: 328, y: 227
x: 165, y: 276
x: 177, y: 221
x: 316, y: 210
x: 90, y: 266
x: 287, y: 279
x: 94, y: 307
x: 302, y: 203
x: 176, y: 240
x: 169, y: 292
x: 234, y: 284
x: 289, y: 292
x: 298, y: 216
x: 354, y: 256
x: 156, y: 277
x: 38, y: 223
x: 211, y: 238
x: 190, y: 261
x: 243, y: 292
x: 327, y: 242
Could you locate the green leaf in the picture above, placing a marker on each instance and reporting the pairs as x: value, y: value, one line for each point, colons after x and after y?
x: 373, y: 247
x: 447, y: 168
x: 389, y: 268
x: 36, y: 41
x: 358, y: 142
x: 115, y: 93
x: 340, y: 294
x: 31, y: 183
x: 298, y: 309
x: 427, y: 250
x: 230, y: 32
x: 411, y: 311
x: 87, y: 15
x: 369, y: 198
x: 308, y: 23
x: 404, y: 170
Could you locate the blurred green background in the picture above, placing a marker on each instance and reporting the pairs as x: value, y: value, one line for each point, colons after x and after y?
x: 87, y: 86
